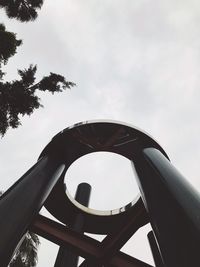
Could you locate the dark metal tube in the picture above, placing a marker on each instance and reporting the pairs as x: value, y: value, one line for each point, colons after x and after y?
x: 173, y: 207
x: 155, y: 250
x: 83, y: 194
x: 66, y: 258
x: 22, y: 202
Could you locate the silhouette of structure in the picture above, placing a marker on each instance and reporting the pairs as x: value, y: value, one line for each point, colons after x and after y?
x: 167, y: 201
x: 65, y: 257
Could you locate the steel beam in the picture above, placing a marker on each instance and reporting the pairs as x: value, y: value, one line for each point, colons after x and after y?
x: 81, y: 244
x: 112, y: 243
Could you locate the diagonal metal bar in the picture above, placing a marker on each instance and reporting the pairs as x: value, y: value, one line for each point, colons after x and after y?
x: 80, y: 244
x: 112, y: 243
x: 64, y: 236
x: 115, y: 241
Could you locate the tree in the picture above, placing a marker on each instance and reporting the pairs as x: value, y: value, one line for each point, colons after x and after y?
x: 8, y: 44
x: 18, y: 97
x: 26, y: 255
x: 22, y: 10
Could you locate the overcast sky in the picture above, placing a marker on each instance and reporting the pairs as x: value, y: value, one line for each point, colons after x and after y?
x: 133, y: 61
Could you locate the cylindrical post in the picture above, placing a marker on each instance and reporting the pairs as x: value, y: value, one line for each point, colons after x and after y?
x: 173, y: 207
x: 155, y: 250
x: 66, y: 258
x: 22, y: 202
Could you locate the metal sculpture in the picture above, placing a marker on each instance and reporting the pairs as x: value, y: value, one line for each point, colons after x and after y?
x: 167, y: 201
x: 65, y: 257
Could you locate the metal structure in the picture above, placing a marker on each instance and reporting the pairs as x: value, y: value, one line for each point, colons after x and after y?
x: 65, y: 257
x: 167, y: 201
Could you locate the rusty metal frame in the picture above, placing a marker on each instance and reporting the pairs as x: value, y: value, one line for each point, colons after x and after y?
x: 101, y: 253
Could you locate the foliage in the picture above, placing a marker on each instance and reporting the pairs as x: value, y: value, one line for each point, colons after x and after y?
x: 22, y: 10
x: 18, y: 97
x: 8, y: 44
x: 26, y: 256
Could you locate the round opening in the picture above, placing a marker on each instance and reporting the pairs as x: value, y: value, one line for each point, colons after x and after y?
x: 110, y: 176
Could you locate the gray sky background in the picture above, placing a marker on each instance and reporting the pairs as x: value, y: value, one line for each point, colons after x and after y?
x: 137, y: 62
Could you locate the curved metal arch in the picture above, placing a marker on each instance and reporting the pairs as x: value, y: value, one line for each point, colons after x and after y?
x: 88, y: 137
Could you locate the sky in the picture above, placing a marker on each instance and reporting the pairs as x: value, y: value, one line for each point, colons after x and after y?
x: 133, y: 61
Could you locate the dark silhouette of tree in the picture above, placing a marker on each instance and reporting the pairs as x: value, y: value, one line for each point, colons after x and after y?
x: 8, y: 44
x: 26, y: 255
x: 22, y: 10
x: 18, y: 97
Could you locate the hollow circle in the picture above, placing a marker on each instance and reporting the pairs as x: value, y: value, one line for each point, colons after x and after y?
x: 88, y: 137
x: 111, y: 178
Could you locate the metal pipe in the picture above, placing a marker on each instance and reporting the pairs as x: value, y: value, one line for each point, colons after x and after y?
x: 173, y: 207
x: 22, y: 202
x: 65, y: 257
x: 155, y: 250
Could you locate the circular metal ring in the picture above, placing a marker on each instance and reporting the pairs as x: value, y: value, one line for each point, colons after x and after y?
x: 88, y: 137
